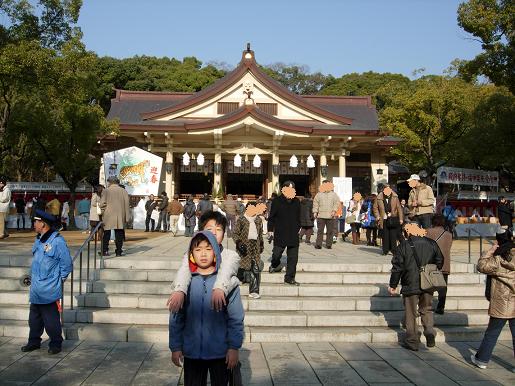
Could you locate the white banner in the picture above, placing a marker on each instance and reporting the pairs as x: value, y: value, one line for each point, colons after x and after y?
x: 343, y: 188
x: 46, y: 187
x: 458, y: 176
x: 138, y: 170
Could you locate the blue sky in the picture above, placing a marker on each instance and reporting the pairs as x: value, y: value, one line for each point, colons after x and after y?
x: 332, y: 36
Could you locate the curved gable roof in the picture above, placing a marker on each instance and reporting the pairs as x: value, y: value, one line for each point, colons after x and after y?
x: 246, y: 64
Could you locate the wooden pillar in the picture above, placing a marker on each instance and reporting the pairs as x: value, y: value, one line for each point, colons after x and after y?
x: 342, y: 166
x: 379, y: 171
x: 323, y: 167
x: 217, y: 177
x: 169, y: 172
x: 275, y: 176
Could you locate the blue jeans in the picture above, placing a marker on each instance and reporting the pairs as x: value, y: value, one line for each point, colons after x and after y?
x: 495, y: 326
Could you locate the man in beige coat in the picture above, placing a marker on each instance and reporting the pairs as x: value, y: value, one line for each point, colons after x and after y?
x: 421, y: 202
x: 115, y: 214
x: 325, y: 206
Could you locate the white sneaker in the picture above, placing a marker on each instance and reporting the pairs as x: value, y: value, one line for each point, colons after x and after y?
x: 254, y: 295
x: 477, y: 362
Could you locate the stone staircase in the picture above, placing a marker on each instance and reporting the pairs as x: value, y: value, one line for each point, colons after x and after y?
x: 126, y: 301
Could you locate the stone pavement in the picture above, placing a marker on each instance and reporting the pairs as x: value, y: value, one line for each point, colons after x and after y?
x: 264, y: 364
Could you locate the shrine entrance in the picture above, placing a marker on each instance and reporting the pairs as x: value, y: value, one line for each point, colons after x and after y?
x: 195, y: 179
x: 246, y: 181
x: 301, y: 176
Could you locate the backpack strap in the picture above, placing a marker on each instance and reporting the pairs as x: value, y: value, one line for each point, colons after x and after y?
x: 410, y: 241
x: 439, y: 237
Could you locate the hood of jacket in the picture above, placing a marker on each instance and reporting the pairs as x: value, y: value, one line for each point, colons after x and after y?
x: 216, y: 248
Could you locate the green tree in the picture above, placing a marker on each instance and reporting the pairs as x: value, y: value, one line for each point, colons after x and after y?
x: 298, y: 79
x: 431, y: 115
x: 147, y: 73
x: 367, y: 83
x: 491, y: 22
x: 51, y: 22
x: 490, y: 142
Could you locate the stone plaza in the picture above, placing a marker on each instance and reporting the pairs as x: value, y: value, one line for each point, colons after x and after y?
x: 337, y: 328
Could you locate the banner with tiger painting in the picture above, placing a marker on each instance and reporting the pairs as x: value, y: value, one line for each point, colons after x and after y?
x: 138, y: 170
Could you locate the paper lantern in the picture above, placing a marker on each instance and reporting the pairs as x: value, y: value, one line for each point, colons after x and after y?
x: 256, y: 162
x: 237, y: 160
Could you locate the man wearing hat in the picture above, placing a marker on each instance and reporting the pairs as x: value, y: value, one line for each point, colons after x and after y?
x: 421, y: 201
x: 115, y: 214
x: 51, y: 264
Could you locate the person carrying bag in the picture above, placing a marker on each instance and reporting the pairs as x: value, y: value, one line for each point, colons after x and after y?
x: 431, y: 278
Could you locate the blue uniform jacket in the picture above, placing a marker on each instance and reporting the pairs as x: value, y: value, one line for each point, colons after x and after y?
x: 51, y: 263
x: 199, y: 331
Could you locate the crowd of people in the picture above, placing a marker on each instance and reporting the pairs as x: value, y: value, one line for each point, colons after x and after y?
x: 205, y: 304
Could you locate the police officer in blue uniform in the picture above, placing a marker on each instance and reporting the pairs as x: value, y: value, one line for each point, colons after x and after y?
x: 51, y: 263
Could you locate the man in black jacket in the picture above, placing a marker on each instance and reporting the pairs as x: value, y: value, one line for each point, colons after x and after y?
x: 504, y: 211
x: 149, y: 208
x: 412, y: 253
x: 284, y: 224
x: 162, y: 206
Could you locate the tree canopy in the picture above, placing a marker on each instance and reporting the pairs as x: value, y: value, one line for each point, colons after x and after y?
x: 491, y: 22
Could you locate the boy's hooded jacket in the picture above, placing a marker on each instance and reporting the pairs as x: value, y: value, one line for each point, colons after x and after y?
x: 199, y: 331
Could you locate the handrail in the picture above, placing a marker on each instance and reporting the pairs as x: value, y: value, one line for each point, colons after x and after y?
x: 79, y: 254
x: 481, y: 236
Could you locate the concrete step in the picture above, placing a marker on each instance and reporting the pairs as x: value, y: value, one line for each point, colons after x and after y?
x: 159, y: 334
x: 270, y: 303
x: 18, y: 272
x: 15, y: 284
x: 256, y: 318
x: 303, y: 277
x: 150, y: 263
x: 271, y: 289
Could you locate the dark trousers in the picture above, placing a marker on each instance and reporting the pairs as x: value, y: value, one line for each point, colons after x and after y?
x: 292, y: 254
x: 442, y: 294
x: 424, y: 220
x: 495, y: 326
x: 149, y: 220
x: 371, y: 235
x: 308, y: 231
x: 20, y: 216
x: 47, y: 317
x: 390, y: 238
x: 118, y: 240
x: 415, y: 305
x: 195, y: 372
x: 163, y: 220
x: 328, y: 223
x: 188, y: 231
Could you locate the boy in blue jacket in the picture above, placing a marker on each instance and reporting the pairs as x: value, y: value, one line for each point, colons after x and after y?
x: 201, y: 338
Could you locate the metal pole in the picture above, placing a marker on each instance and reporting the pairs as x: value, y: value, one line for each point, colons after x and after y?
x: 71, y: 292
x: 480, y: 245
x: 87, y: 270
x: 80, y: 274
x: 468, y: 230
x: 95, y: 249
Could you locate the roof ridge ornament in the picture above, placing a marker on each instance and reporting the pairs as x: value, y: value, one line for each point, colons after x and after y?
x: 248, y: 54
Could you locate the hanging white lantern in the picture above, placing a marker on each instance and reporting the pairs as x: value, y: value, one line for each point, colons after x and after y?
x: 237, y: 161
x: 310, y: 162
x: 200, y: 159
x: 185, y: 159
x: 256, y: 162
x: 294, y: 161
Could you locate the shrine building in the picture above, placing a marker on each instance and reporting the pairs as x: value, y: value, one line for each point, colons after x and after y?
x: 246, y: 134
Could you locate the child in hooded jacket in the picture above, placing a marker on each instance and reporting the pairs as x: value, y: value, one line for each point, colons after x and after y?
x: 202, y: 339
x: 226, y: 281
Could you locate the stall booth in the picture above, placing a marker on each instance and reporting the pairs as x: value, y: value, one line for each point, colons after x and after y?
x: 28, y: 192
x: 473, y: 195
